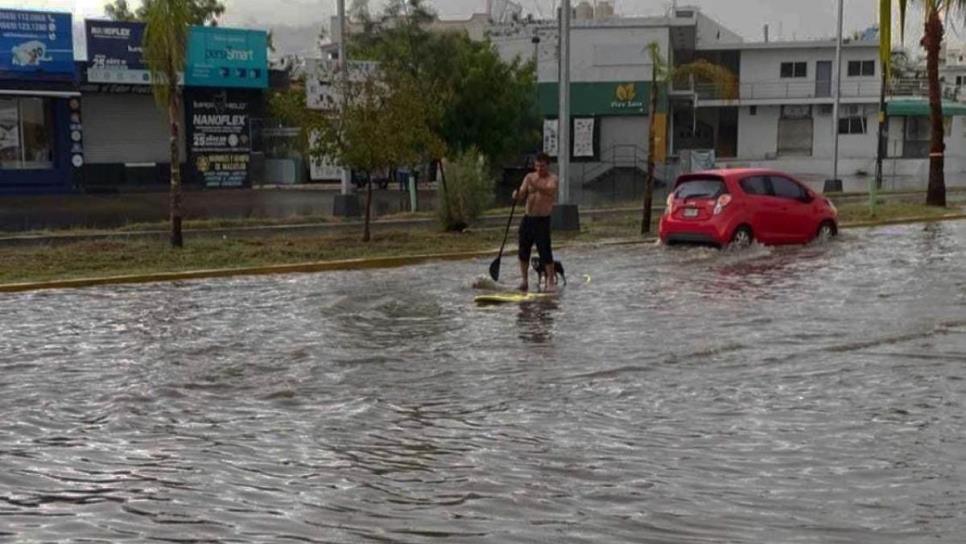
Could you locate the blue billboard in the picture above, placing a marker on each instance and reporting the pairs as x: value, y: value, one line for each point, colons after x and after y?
x: 116, y: 53
x: 115, y: 44
x: 227, y: 57
x: 35, y: 43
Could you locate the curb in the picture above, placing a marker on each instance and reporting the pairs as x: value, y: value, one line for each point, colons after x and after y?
x: 367, y: 263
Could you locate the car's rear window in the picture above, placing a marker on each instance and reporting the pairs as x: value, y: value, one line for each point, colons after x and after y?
x: 700, y: 188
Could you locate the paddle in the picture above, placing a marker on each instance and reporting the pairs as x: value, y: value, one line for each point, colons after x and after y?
x: 495, y: 265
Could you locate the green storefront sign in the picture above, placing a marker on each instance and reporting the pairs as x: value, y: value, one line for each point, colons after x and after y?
x: 596, y: 98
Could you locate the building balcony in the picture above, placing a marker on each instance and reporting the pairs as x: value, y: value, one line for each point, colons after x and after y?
x: 782, y: 90
x: 785, y: 90
x: 919, y: 87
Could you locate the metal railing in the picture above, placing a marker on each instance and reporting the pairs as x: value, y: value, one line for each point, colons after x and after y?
x: 919, y: 87
x: 765, y: 90
x: 804, y: 89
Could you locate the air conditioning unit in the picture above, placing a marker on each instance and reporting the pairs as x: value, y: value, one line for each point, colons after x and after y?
x: 825, y: 109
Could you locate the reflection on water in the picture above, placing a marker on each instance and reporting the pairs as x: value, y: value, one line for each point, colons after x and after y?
x: 808, y: 394
x: 536, y: 321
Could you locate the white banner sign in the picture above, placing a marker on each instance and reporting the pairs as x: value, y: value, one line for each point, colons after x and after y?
x: 322, y: 169
x: 584, y: 137
x: 550, y: 137
x: 321, y: 76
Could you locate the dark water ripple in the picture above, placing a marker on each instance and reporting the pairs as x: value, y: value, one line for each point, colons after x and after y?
x: 795, y: 395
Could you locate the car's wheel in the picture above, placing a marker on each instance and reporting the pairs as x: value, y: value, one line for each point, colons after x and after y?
x: 826, y: 231
x: 742, y: 238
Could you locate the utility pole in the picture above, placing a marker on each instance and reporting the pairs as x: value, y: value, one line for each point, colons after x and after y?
x: 838, y: 96
x: 345, y: 203
x: 563, y: 117
x: 343, y: 66
x: 565, y: 214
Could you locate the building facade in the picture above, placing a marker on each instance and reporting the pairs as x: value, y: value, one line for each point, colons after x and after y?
x: 41, y: 129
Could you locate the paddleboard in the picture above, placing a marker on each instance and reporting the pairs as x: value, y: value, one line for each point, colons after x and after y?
x: 511, y: 297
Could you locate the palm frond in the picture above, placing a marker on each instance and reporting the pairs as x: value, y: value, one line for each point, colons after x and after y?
x: 722, y: 78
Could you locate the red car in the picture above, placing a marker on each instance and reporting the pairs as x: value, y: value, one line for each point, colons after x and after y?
x: 737, y: 207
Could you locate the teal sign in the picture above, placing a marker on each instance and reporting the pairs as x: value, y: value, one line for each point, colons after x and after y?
x: 227, y: 57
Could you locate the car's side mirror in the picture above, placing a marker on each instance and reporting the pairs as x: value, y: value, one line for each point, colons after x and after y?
x: 806, y: 198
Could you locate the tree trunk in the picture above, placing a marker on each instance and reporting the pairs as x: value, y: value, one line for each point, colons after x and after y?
x: 651, y: 148
x: 365, y: 228
x: 932, y: 42
x: 177, y: 239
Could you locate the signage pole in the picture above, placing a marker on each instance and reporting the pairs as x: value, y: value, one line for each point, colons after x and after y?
x: 838, y: 95
x: 563, y: 117
x: 343, y: 65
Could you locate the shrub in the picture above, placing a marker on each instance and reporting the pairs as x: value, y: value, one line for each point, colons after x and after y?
x: 467, y: 192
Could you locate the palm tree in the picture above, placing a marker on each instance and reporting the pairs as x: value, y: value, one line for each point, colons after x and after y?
x: 725, y: 83
x: 932, y: 40
x: 165, y: 40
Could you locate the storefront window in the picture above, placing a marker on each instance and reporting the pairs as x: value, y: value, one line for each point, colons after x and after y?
x: 26, y: 134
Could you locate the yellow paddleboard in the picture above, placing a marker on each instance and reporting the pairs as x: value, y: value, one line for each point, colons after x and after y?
x: 511, y: 297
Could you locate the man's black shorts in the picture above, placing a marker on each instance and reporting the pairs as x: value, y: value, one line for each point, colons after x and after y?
x: 535, y: 230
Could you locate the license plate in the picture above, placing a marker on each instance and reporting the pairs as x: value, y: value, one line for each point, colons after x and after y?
x: 690, y: 212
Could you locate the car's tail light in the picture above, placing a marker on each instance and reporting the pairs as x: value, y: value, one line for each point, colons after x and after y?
x: 670, y: 204
x: 721, y: 204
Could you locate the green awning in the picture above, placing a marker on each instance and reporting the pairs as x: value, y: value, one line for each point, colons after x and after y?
x: 920, y: 108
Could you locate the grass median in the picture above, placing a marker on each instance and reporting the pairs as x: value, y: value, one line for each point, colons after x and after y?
x: 116, y: 257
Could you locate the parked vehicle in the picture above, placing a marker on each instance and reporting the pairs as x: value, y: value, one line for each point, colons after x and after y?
x: 738, y: 207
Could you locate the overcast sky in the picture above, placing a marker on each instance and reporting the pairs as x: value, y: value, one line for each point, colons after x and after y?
x: 788, y: 19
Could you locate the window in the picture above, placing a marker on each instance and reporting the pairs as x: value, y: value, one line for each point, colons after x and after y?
x: 752, y: 110
x: 700, y: 188
x: 26, y: 134
x: 755, y: 185
x: 786, y: 188
x: 794, y: 69
x: 861, y: 68
x: 852, y: 125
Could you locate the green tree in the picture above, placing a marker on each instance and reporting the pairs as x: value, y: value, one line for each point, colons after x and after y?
x: 701, y: 71
x: 120, y: 11
x: 165, y: 40
x: 201, y: 12
x: 487, y: 104
x: 359, y: 11
x: 932, y: 39
x: 467, y: 194
x: 385, y: 122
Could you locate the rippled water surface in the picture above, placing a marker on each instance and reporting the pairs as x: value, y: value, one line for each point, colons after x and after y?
x: 797, y: 395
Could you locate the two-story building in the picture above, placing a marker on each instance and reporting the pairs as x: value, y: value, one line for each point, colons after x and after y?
x: 782, y: 115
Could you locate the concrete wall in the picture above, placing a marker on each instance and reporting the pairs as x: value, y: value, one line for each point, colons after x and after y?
x: 598, y: 53
x: 758, y: 134
x: 710, y: 32
x: 857, y: 146
x: 623, y: 131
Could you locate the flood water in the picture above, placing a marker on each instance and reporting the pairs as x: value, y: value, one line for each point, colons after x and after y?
x: 797, y: 395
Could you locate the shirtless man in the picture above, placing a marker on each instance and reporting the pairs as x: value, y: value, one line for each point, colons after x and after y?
x: 539, y: 190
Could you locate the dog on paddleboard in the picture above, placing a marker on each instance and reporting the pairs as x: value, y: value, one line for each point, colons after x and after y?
x: 542, y: 272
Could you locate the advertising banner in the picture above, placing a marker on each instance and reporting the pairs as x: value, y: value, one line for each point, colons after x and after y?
x: 584, y: 138
x: 219, y: 137
x: 35, y: 43
x: 321, y: 81
x: 116, y: 53
x: 227, y: 57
